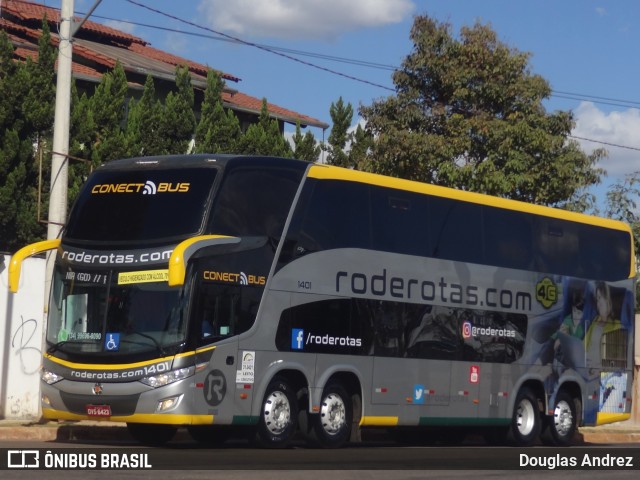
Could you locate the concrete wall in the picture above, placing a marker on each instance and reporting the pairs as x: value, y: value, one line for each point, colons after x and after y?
x: 21, y: 340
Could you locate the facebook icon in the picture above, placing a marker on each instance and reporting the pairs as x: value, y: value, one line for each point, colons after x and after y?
x: 297, y: 339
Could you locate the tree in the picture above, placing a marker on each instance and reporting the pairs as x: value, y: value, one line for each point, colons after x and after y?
x: 218, y: 131
x: 305, y: 146
x: 108, y: 107
x: 341, y: 116
x: 39, y: 103
x: 264, y: 137
x: 179, y: 121
x: 468, y: 113
x: 144, y: 134
x: 361, y: 143
x: 82, y: 129
x: 26, y: 118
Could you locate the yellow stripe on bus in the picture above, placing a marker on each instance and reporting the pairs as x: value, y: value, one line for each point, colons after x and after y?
x: 373, y: 421
x: 605, y: 418
x: 155, y: 418
x: 119, y: 366
x: 330, y: 172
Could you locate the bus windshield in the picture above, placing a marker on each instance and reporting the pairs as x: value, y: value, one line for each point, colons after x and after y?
x: 96, y: 312
x: 137, y: 206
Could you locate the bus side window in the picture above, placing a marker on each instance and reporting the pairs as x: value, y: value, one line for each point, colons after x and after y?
x: 330, y: 214
x: 400, y: 223
x: 557, y: 247
x: 508, y: 239
x: 456, y: 230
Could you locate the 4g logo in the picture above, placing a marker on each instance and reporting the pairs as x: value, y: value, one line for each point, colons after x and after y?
x: 546, y: 292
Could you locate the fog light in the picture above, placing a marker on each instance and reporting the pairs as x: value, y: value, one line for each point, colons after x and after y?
x: 46, y: 401
x: 168, y: 403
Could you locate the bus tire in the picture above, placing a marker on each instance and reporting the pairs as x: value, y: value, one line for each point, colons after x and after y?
x: 151, y: 434
x: 278, y: 415
x: 331, y: 427
x: 525, y: 422
x: 560, y: 427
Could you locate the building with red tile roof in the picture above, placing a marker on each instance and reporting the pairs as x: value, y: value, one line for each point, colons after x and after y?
x: 97, y: 48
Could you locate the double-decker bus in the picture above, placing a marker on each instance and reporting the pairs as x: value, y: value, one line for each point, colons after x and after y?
x: 273, y: 297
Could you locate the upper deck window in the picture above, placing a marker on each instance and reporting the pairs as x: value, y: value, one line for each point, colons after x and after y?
x: 141, y: 205
x: 254, y: 200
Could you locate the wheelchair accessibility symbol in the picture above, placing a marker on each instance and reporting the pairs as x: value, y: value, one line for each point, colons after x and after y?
x: 112, y: 342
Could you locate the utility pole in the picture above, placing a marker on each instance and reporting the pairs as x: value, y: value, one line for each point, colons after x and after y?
x: 59, y: 161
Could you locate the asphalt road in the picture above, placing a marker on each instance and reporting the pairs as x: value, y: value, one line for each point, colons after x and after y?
x: 369, y: 461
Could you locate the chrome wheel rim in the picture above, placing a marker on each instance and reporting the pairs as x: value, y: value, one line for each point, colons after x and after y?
x: 277, y: 412
x: 563, y: 418
x: 333, y: 414
x: 525, y: 418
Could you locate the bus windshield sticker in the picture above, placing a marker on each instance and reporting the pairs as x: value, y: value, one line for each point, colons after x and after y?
x: 144, y: 276
x: 112, y: 342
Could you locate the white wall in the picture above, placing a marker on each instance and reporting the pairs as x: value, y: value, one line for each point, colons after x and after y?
x: 21, y: 340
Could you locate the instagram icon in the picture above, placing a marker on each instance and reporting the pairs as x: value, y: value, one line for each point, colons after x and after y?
x: 466, y: 329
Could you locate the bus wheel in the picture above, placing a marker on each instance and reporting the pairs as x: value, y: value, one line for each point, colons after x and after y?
x: 278, y: 416
x: 331, y: 428
x: 151, y: 434
x: 561, y: 426
x: 525, y: 423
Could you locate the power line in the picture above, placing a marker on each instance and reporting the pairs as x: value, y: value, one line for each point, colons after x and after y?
x: 219, y: 36
x: 605, y: 143
x: 595, y: 97
x: 280, y: 53
x: 287, y: 53
x: 577, y: 97
x: 351, y: 61
x: 261, y: 47
x: 365, y: 63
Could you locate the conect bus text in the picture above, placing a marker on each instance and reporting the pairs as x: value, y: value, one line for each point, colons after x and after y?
x: 431, y: 291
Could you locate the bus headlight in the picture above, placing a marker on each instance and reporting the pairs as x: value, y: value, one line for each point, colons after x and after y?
x: 166, y: 378
x: 49, y: 377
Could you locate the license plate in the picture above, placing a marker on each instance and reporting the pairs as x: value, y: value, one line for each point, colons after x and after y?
x: 98, y: 410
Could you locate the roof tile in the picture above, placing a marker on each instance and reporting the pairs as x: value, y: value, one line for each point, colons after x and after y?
x: 21, y: 24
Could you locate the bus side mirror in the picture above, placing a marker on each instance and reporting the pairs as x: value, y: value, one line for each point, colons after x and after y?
x: 184, y: 250
x: 15, y: 264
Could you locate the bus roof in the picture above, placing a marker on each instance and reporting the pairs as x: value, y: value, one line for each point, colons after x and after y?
x: 321, y: 171
x: 337, y: 173
x: 193, y: 161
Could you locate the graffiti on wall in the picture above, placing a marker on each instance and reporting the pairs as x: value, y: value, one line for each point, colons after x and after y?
x: 26, y: 346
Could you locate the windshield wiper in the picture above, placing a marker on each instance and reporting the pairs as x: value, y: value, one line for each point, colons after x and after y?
x: 155, y: 342
x: 56, y: 346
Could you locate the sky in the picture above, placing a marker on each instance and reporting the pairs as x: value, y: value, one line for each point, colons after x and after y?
x: 326, y: 49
